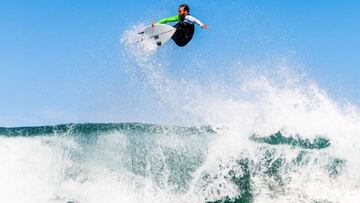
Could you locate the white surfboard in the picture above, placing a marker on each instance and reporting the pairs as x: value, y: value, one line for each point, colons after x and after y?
x: 159, y: 34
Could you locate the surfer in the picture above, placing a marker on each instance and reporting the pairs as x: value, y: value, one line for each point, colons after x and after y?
x: 185, y: 27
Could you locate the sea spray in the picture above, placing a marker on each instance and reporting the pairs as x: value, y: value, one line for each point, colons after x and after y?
x: 264, y: 137
x: 127, y: 162
x: 240, y: 168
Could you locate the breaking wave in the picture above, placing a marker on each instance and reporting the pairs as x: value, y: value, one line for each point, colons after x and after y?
x: 261, y: 138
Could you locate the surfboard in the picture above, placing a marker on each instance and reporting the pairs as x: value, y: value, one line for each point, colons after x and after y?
x: 159, y: 34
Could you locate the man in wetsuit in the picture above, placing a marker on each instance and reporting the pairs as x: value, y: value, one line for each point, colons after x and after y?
x: 185, y: 27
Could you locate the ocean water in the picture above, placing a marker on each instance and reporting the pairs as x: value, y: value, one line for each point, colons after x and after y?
x: 134, y: 162
x: 263, y: 138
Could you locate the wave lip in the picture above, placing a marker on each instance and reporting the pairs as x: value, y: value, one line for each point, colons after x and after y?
x: 99, y: 128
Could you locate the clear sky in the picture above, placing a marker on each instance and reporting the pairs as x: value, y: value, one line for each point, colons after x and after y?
x: 61, y: 61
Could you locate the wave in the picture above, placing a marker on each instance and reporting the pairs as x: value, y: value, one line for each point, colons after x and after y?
x: 279, y: 136
x: 158, y: 162
x: 87, y: 129
x: 258, y: 137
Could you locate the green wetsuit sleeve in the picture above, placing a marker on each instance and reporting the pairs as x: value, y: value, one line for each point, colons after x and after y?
x: 169, y: 19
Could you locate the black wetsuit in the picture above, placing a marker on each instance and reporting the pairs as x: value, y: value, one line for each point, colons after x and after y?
x: 185, y: 28
x: 184, y: 33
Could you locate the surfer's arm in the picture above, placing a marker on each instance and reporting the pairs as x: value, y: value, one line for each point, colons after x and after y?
x: 195, y: 20
x: 169, y: 19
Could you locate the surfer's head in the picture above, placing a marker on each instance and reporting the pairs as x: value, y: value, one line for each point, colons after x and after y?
x: 184, y: 10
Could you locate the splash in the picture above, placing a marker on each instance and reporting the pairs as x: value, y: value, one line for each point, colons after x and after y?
x: 137, y: 47
x: 259, y: 137
x: 291, y: 168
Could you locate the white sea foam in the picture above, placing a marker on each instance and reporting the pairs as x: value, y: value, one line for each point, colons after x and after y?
x: 286, y: 102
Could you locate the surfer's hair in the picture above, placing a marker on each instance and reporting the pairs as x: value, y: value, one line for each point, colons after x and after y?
x: 186, y: 7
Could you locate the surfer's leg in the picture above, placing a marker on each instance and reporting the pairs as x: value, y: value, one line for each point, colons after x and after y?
x: 179, y: 35
x: 183, y: 34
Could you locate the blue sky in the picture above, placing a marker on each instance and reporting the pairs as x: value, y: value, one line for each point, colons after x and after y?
x: 61, y: 61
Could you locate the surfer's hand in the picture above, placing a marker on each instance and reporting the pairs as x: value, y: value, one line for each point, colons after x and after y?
x: 204, y: 26
x: 153, y: 24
